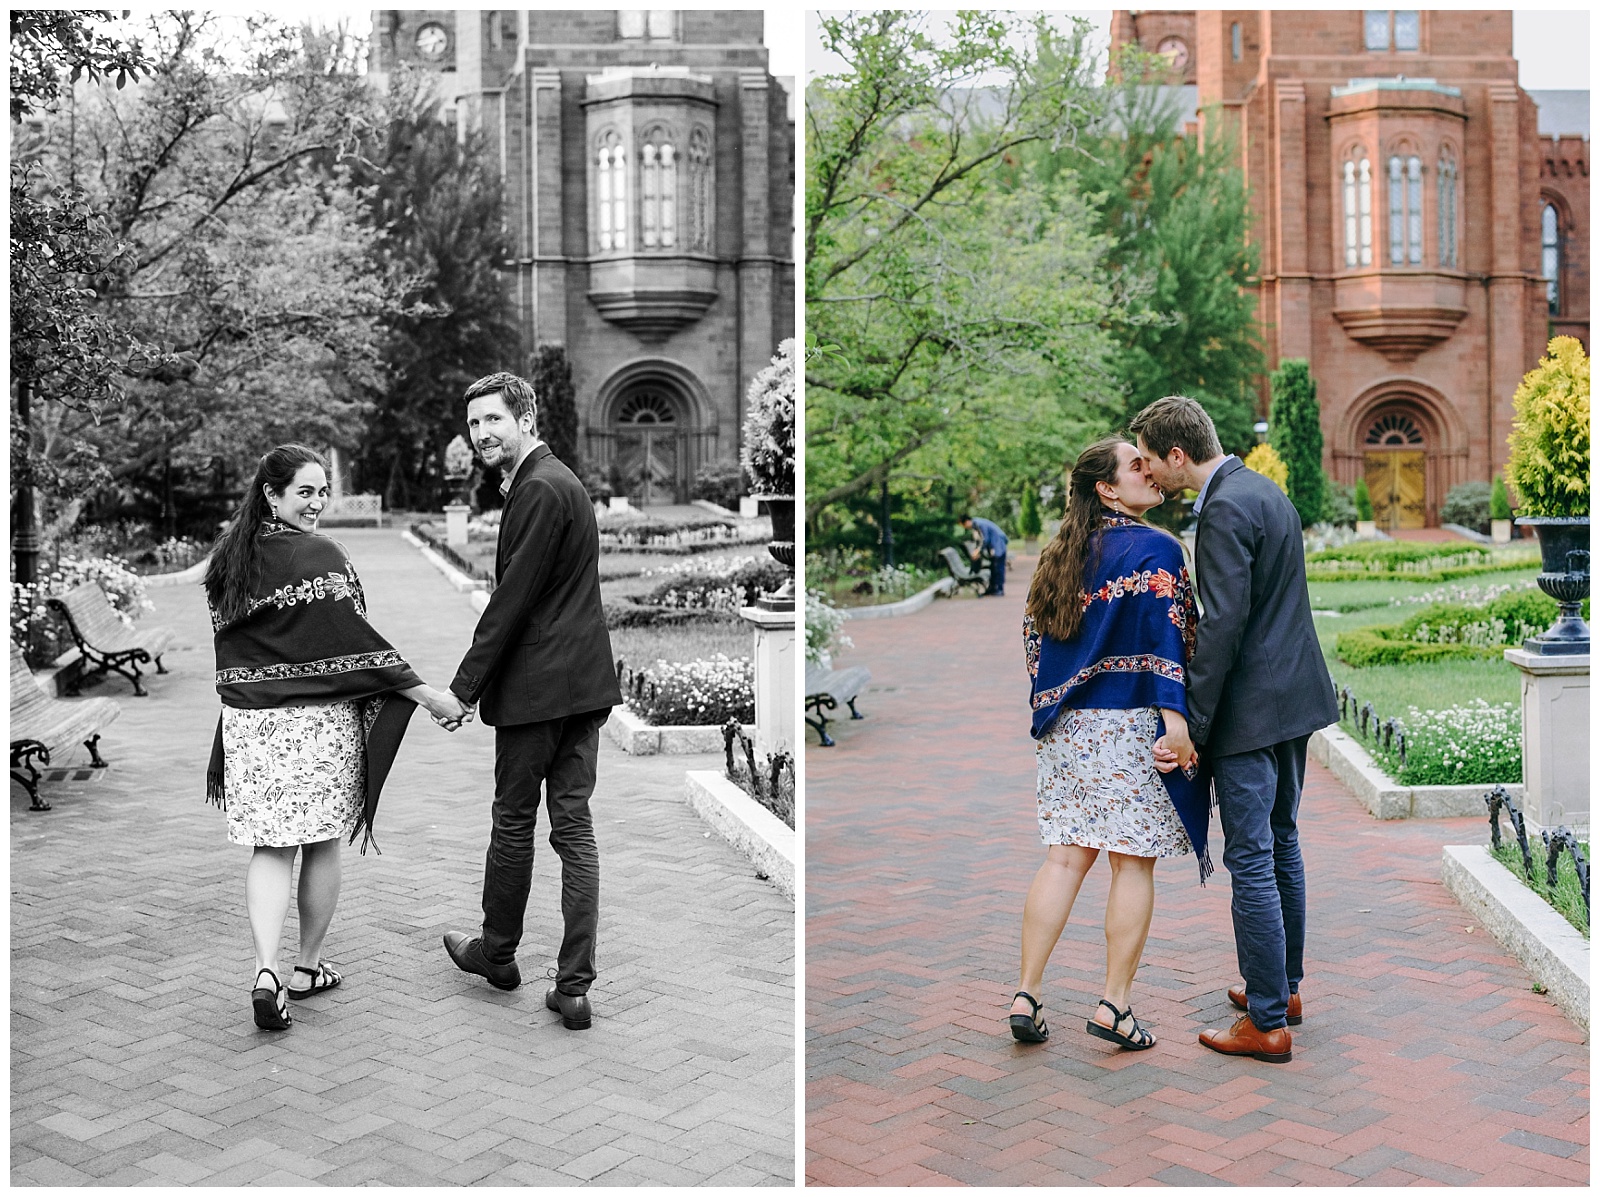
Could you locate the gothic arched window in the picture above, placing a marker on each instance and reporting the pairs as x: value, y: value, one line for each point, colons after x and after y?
x: 1356, y: 186
x: 700, y: 191
x: 658, y: 191
x: 1550, y: 255
x: 1405, y: 209
x: 1449, y: 251
x: 611, y: 192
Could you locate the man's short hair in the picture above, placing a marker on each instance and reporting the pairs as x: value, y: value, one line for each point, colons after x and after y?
x: 519, y: 397
x: 965, y: 519
x: 1177, y: 420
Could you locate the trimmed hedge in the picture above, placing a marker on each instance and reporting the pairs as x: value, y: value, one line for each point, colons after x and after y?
x: 1520, y: 614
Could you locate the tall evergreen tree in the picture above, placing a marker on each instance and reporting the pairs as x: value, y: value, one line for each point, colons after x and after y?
x: 1297, y: 435
x: 550, y: 374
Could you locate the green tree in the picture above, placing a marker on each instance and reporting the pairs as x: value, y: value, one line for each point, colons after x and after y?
x: 1297, y: 435
x: 1028, y: 522
x: 967, y: 311
x: 1363, y: 500
x: 1549, y: 440
x: 1176, y: 214
x: 1499, y: 502
x: 551, y: 375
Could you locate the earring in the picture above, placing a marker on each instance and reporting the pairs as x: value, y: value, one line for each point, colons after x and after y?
x: 1116, y: 505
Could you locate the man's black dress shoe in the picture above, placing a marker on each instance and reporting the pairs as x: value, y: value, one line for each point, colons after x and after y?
x: 467, y: 952
x: 574, y: 1008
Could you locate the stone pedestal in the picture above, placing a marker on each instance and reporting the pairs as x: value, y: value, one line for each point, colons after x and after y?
x: 776, y: 660
x: 619, y: 503
x: 1500, y: 531
x: 1555, y: 740
x: 749, y: 507
x: 455, y: 524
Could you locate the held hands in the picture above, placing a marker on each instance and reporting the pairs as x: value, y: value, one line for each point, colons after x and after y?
x: 1175, y: 751
x: 448, y: 711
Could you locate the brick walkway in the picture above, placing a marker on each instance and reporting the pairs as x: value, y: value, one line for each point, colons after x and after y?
x: 1424, y: 1058
x: 133, y: 1055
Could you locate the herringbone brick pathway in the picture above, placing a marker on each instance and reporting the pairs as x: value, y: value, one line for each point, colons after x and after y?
x: 134, y: 1057
x: 1424, y: 1057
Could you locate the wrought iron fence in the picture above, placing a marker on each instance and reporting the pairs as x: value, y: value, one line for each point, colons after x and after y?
x: 1389, y: 734
x: 1555, y: 842
x: 773, y: 786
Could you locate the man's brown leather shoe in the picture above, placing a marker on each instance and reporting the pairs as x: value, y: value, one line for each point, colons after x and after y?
x: 1236, y: 996
x: 1242, y: 1039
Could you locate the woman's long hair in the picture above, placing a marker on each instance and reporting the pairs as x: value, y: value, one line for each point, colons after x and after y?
x: 1055, y: 597
x: 235, y: 567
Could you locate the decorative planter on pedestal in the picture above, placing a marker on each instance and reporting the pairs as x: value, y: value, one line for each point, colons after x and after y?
x: 781, y: 546
x: 455, y: 524
x: 1564, y: 576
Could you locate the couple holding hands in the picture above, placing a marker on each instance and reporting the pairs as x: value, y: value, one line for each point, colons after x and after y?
x: 315, y: 703
x: 1142, y: 705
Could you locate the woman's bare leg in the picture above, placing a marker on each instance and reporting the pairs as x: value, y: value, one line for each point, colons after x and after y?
x: 321, y: 871
x: 266, y: 898
x: 1129, y: 907
x: 1044, y: 915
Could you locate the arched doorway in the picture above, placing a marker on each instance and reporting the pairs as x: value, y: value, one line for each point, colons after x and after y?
x: 1395, y: 464
x: 653, y: 426
x: 650, y: 458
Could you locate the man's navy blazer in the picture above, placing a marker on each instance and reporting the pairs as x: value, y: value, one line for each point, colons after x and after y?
x: 541, y: 650
x: 1257, y: 676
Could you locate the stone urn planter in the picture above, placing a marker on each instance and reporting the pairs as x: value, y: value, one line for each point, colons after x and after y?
x: 781, y: 547
x: 1564, y: 576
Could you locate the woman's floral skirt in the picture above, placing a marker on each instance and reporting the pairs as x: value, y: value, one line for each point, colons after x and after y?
x: 1098, y: 785
x: 294, y: 775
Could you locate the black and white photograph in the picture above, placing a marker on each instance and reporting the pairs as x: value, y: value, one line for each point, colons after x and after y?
x: 365, y: 361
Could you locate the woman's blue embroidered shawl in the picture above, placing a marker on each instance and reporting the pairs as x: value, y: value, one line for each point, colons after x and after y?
x: 1131, y: 650
x: 1137, y: 633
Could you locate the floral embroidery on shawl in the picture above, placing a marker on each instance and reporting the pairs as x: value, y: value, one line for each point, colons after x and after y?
x: 1141, y: 663
x: 323, y: 668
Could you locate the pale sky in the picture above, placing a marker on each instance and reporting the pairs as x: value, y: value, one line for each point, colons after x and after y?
x: 1551, y: 45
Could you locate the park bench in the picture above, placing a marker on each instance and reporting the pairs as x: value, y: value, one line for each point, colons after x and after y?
x: 42, y: 725
x: 961, y: 570
x: 827, y: 688
x: 105, y: 641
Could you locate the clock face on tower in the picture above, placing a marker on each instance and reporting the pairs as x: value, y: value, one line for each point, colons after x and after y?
x: 1174, y: 51
x: 432, y: 40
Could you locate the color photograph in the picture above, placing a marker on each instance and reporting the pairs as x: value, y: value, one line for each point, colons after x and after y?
x: 1197, y: 475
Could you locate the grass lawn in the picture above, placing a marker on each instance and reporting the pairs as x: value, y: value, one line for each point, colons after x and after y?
x: 1393, y: 688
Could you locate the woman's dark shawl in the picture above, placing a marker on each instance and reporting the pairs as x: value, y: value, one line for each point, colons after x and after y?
x: 1136, y: 638
x: 305, y: 641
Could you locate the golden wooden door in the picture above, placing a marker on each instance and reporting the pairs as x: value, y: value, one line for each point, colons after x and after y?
x: 1397, y: 482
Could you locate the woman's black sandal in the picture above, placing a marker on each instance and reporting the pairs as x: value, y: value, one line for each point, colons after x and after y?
x: 1137, y: 1042
x: 1026, y: 1028
x: 322, y: 977
x: 270, y: 1016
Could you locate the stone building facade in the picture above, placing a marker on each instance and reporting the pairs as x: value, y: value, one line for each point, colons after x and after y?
x: 1423, y: 223
x: 649, y: 166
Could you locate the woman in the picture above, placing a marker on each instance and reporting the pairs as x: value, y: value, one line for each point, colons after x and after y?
x: 309, y: 727
x: 1109, y: 626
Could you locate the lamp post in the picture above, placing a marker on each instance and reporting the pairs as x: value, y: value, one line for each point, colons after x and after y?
x: 1260, y: 430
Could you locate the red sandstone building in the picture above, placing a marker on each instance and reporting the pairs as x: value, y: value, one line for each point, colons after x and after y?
x: 1423, y: 223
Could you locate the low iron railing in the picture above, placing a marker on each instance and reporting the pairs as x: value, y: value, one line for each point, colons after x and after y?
x: 1561, y: 839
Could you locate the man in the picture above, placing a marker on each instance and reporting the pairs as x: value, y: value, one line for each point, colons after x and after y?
x: 1258, y: 688
x: 540, y: 668
x: 995, y: 542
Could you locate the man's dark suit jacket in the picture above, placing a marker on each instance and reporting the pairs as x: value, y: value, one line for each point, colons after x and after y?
x: 541, y: 650
x: 1257, y: 676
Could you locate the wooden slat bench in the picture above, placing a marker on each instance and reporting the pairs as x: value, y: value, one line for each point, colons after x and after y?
x: 42, y: 725
x: 961, y: 570
x: 827, y: 688
x: 105, y: 641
